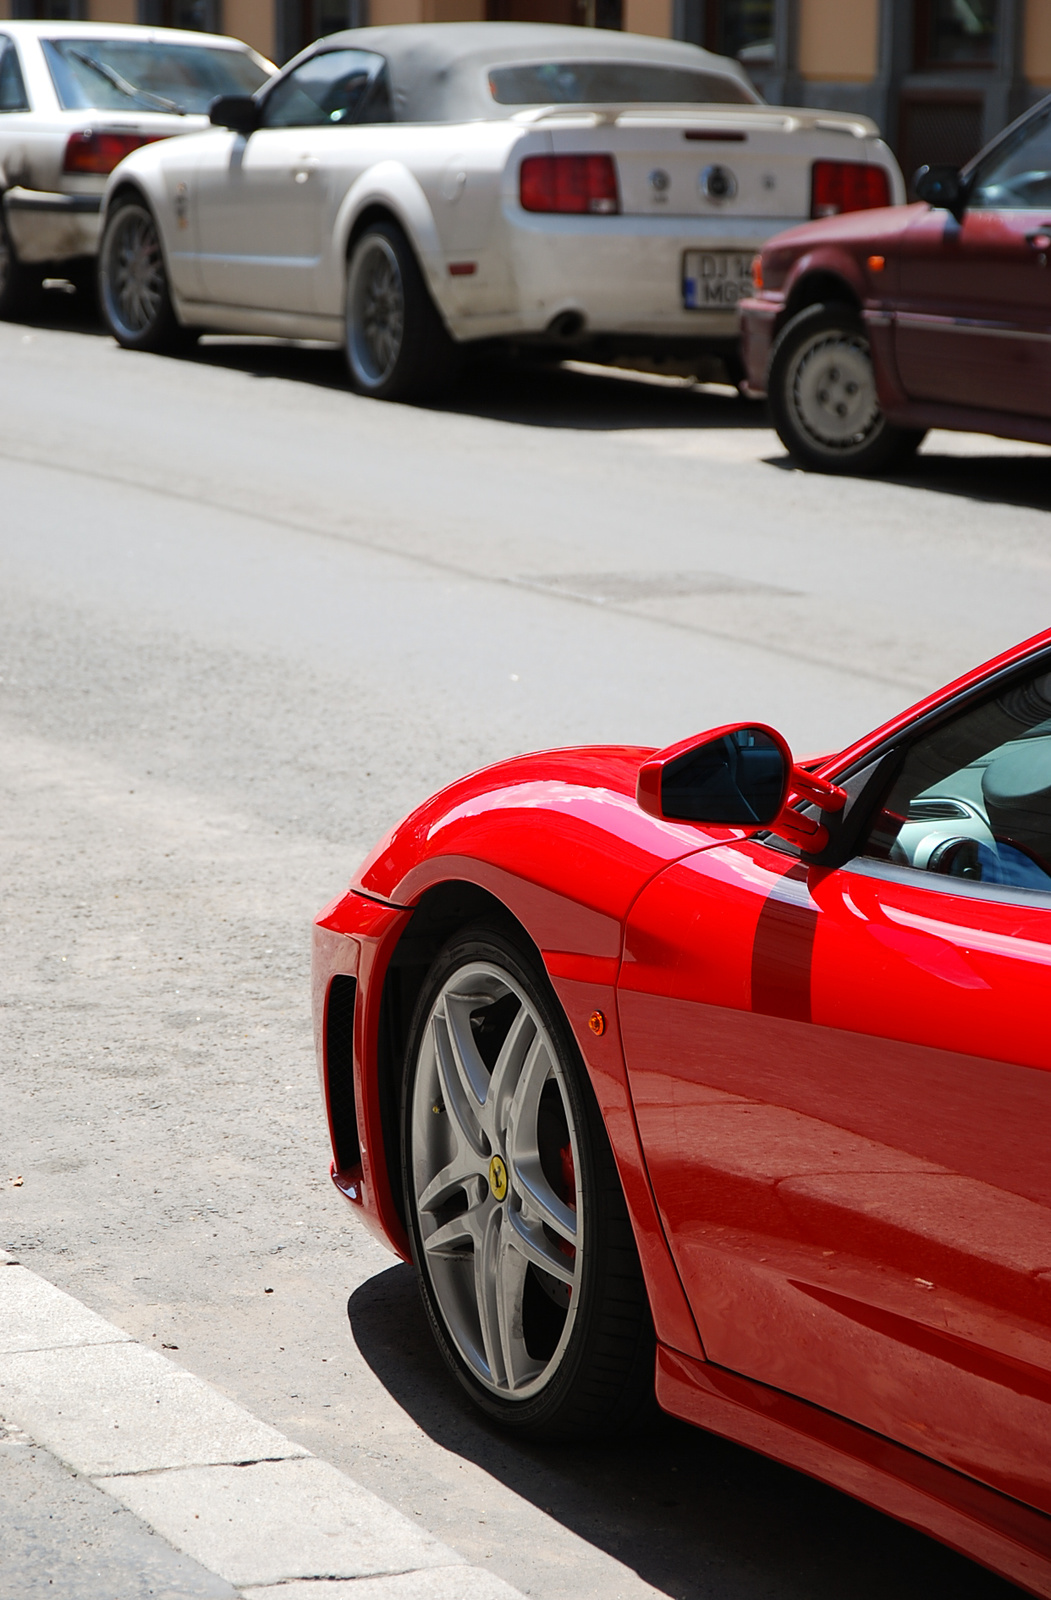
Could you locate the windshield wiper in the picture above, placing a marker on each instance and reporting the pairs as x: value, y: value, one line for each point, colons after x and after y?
x: 132, y: 90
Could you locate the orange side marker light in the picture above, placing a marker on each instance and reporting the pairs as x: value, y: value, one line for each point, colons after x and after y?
x: 597, y: 1023
x: 876, y: 263
x: 757, y: 273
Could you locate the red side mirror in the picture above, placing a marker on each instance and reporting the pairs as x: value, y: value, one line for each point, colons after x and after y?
x: 742, y: 775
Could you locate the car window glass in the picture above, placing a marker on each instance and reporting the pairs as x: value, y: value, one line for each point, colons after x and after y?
x: 973, y: 798
x: 150, y: 75
x: 12, y: 88
x: 1017, y: 174
x: 612, y: 83
x: 338, y: 86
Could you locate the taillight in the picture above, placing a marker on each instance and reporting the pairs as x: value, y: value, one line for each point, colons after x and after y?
x: 847, y: 186
x: 569, y: 183
x: 98, y: 150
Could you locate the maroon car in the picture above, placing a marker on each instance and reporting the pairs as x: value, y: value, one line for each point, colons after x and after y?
x: 866, y: 330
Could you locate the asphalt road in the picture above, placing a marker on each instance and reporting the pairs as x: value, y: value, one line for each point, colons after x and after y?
x: 246, y: 621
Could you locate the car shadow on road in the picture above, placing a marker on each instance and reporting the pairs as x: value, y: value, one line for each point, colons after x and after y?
x: 692, y: 1514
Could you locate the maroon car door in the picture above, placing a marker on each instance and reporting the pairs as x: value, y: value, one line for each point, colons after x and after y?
x: 973, y: 318
x: 842, y: 1081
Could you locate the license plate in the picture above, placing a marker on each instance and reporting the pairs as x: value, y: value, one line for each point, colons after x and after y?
x: 714, y: 280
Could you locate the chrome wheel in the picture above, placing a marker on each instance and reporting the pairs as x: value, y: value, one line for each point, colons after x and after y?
x: 134, y: 284
x: 375, y: 311
x: 495, y: 1178
x: 832, y: 391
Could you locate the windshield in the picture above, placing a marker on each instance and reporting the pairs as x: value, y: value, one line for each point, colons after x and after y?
x: 1016, y: 176
x: 612, y: 83
x: 146, y: 74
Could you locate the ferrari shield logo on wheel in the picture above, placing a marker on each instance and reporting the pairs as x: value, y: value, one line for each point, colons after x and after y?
x: 498, y: 1178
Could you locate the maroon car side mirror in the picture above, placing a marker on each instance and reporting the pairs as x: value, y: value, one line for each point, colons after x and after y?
x: 739, y: 775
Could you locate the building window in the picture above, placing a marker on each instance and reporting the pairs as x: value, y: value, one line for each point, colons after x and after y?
x: 577, y: 13
x: 303, y: 21
x: 743, y: 29
x: 200, y: 16
x: 49, y: 10
x: 956, y: 33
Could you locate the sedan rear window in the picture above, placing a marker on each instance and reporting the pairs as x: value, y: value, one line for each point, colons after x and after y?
x: 147, y: 74
x: 612, y: 83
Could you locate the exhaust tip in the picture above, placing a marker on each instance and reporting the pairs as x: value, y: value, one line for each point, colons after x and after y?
x: 567, y: 325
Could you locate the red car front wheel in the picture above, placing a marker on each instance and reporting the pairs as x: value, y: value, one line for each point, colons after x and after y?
x: 520, y: 1234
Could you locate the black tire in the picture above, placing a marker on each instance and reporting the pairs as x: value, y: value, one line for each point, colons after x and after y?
x: 396, y: 344
x: 822, y: 393
x: 134, y: 295
x: 20, y: 285
x: 596, y: 1351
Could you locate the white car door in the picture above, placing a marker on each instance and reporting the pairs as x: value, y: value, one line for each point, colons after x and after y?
x: 261, y: 199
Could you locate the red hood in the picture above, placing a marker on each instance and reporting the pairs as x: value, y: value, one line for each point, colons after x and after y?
x: 855, y: 229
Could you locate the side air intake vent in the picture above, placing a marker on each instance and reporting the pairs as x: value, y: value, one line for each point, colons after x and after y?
x: 339, y: 1058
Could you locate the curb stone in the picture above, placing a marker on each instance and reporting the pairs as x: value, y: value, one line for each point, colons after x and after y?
x: 218, y: 1484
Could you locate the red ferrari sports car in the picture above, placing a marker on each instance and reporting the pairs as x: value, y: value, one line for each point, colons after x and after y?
x: 866, y: 330
x: 700, y: 1071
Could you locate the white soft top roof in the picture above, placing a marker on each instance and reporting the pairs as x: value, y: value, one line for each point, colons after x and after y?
x: 439, y: 70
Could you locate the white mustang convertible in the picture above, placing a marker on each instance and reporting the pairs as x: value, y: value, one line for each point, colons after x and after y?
x: 411, y: 191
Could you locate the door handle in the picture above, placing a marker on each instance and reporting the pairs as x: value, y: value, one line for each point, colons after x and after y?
x: 1040, y: 239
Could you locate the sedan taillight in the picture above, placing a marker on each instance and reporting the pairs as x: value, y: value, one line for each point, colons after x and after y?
x: 569, y: 183
x: 98, y: 150
x: 838, y: 186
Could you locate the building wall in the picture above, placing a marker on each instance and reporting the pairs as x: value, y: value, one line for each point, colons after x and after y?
x: 838, y: 42
x: 648, y: 16
x: 1037, y: 43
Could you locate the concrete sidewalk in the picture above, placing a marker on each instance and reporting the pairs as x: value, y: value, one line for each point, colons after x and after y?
x: 239, y: 1508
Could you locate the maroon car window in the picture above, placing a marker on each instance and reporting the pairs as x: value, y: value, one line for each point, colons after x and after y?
x: 1016, y: 175
x: 973, y: 797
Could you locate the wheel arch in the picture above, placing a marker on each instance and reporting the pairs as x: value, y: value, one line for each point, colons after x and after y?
x: 390, y: 192
x: 439, y: 913
x: 819, y: 286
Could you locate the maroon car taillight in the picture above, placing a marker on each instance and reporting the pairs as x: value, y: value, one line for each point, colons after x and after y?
x: 569, y: 183
x: 98, y: 150
x: 838, y: 186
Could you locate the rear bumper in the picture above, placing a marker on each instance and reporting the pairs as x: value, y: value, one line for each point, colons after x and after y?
x: 759, y: 319
x: 47, y: 227
x: 619, y: 275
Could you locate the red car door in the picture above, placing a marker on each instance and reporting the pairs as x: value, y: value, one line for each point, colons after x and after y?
x: 843, y: 1087
x: 973, y: 321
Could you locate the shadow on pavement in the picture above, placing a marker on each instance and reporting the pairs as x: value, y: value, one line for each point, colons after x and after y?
x: 693, y: 1515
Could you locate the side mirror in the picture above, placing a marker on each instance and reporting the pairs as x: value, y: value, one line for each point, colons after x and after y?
x: 742, y: 775
x: 942, y: 187
x: 237, y: 111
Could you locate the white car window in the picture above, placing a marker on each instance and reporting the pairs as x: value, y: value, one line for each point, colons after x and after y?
x: 612, y: 83
x: 113, y: 74
x: 337, y: 86
x: 12, y: 88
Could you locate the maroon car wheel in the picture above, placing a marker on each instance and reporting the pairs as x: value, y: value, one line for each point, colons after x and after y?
x: 520, y: 1234
x: 822, y: 392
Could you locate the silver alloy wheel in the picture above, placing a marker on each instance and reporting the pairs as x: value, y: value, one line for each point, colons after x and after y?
x: 134, y: 280
x: 832, y: 390
x: 495, y: 1172
x: 375, y: 311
